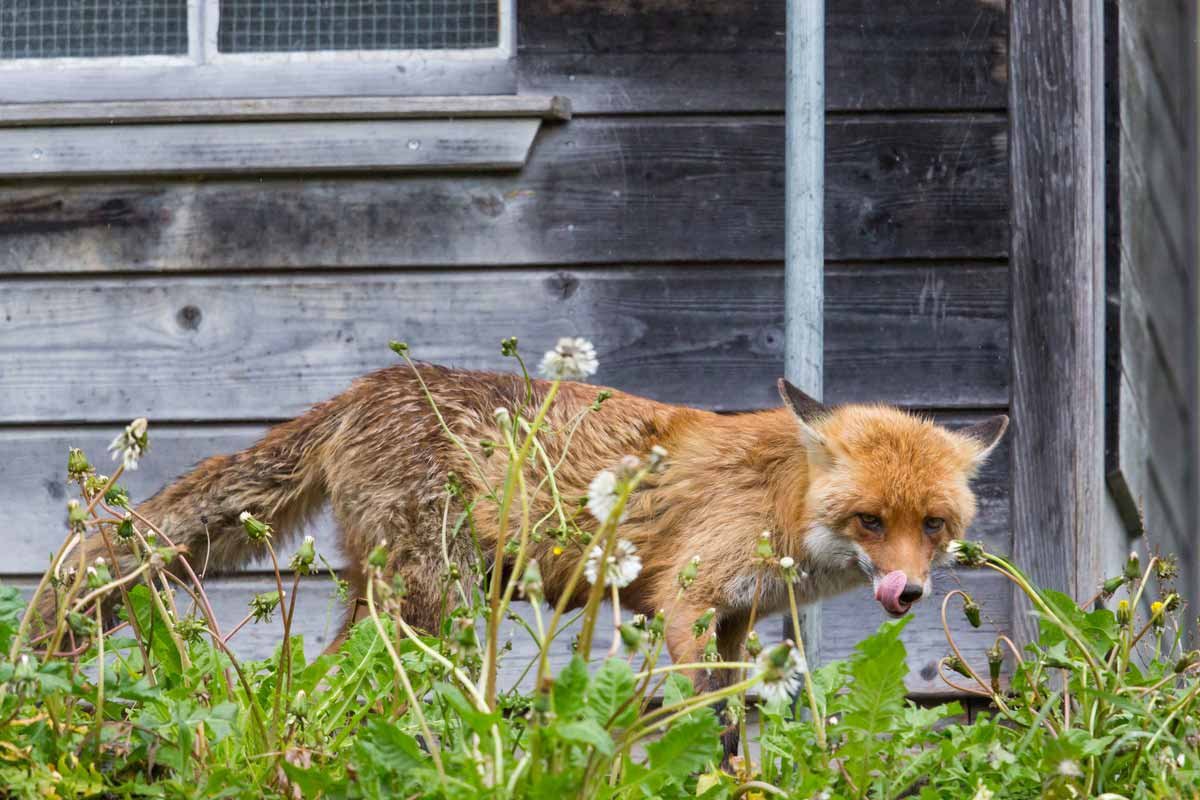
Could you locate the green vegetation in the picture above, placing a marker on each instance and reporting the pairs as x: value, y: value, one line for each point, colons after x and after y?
x: 131, y: 690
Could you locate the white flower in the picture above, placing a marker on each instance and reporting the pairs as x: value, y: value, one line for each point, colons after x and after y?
x: 622, y: 567
x: 982, y: 792
x: 571, y: 359
x: 602, y: 496
x: 131, y: 444
x: 782, y: 672
x: 787, y: 562
x: 1069, y: 769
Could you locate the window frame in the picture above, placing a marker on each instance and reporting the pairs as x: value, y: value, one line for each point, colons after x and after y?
x: 205, y: 73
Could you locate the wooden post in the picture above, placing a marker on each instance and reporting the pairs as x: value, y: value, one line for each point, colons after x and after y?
x: 1056, y: 153
x: 804, y: 273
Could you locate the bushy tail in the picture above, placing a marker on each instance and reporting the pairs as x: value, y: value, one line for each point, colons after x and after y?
x: 280, y: 480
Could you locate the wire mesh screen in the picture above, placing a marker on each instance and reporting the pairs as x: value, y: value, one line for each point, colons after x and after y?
x: 258, y: 26
x: 92, y: 28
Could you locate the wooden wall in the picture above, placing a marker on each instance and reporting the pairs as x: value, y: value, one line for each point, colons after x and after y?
x: 652, y: 222
x: 1152, y: 278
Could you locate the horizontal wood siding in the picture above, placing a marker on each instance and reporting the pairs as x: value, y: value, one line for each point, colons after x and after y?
x: 684, y: 56
x: 267, y: 346
x: 652, y: 222
x: 624, y: 191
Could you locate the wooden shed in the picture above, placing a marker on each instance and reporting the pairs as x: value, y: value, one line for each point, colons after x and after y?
x: 219, y: 212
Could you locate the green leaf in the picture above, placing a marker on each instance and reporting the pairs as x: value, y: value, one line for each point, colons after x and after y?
x: 569, y: 688
x: 612, y: 687
x: 876, y: 697
x: 476, y: 720
x: 12, y: 608
x: 155, y: 629
x: 691, y: 745
x: 586, y: 732
x: 676, y: 690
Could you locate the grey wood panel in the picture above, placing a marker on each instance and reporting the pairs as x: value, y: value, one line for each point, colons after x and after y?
x: 34, y: 492
x: 249, y: 148
x: 1152, y: 136
x: 401, y: 76
x: 847, y: 620
x: 1057, y: 167
x: 672, y: 56
x: 265, y: 347
x: 285, y: 108
x: 1152, y: 374
x: 594, y: 191
x: 1164, y: 406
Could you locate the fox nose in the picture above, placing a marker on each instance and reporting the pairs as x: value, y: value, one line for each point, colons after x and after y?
x: 912, y: 593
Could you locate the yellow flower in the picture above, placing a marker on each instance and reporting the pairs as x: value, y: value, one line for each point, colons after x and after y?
x: 558, y: 551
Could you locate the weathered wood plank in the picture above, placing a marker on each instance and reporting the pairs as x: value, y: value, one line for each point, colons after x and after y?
x: 1057, y: 167
x: 285, y: 109
x: 1152, y: 136
x: 265, y: 347
x: 34, y: 492
x: 594, y: 191
x: 849, y: 618
x: 399, y: 76
x: 672, y: 56
x: 378, y: 146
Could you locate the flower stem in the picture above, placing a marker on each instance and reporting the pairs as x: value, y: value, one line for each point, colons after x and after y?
x: 818, y: 719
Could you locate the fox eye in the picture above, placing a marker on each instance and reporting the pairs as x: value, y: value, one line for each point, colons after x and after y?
x: 871, y: 522
x: 934, y: 525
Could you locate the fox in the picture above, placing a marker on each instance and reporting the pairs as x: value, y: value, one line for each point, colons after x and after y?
x: 857, y: 495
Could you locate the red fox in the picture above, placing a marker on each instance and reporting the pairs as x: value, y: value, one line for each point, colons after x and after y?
x: 854, y: 494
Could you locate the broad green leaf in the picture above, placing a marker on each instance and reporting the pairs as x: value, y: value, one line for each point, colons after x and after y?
x: 569, y: 688
x: 611, y: 688
x: 586, y: 732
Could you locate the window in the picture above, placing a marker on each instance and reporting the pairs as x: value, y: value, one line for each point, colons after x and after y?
x: 67, y: 50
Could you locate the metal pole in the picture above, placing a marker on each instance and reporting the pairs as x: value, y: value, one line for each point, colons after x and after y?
x: 804, y: 249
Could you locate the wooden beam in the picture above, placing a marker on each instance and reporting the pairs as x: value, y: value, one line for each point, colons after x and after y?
x: 479, y: 145
x: 1057, y: 259
x: 57, y: 83
x: 285, y: 109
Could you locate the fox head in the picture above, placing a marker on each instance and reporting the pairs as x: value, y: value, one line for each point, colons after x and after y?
x: 887, y: 491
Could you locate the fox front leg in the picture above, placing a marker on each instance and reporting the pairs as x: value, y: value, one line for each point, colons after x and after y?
x: 687, y: 648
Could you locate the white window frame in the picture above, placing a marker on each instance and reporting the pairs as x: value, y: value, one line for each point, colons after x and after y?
x: 204, y: 72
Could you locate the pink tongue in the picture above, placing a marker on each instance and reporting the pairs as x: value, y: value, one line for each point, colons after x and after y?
x: 889, y: 589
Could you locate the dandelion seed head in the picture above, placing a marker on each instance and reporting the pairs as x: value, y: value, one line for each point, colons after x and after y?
x: 131, y: 444
x: 571, y: 359
x: 602, y: 496
x: 621, y: 568
x: 782, y: 674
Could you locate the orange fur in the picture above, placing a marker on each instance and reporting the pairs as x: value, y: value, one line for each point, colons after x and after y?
x: 377, y: 455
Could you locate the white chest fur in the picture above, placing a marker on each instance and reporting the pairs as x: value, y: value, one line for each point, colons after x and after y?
x: 830, y: 565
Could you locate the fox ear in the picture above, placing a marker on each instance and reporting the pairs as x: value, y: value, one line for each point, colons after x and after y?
x: 986, y: 435
x: 804, y: 407
x: 806, y: 410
